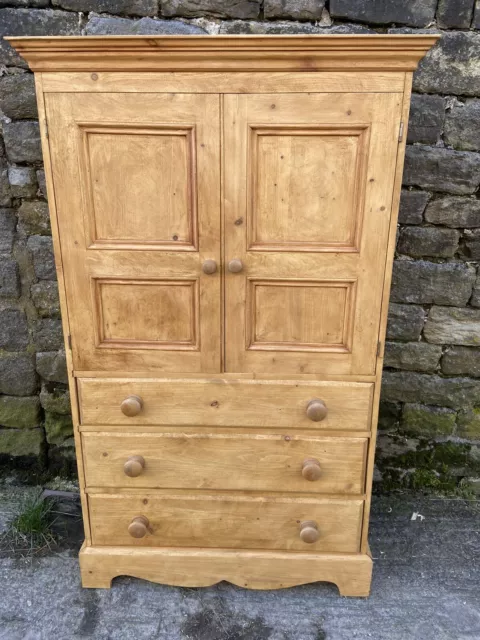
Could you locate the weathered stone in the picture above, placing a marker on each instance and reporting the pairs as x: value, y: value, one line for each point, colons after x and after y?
x: 410, y: 386
x: 416, y: 14
x: 23, y: 182
x: 405, y: 322
x: 5, y: 190
x: 412, y: 206
x: 440, y: 169
x: 476, y: 15
x: 52, y: 366
x: 33, y: 22
x: 296, y: 9
x: 468, y: 423
x: 245, y: 9
x: 428, y: 421
x: 389, y: 415
x: 55, y: 399
x: 41, y: 248
x: 455, y: 13
x: 462, y: 126
x: 18, y: 412
x: 422, y: 282
x: 45, y: 298
x: 121, y: 7
x: 58, y: 427
x: 8, y: 222
x: 13, y: 330
x: 472, y: 243
x: 448, y: 325
x: 17, y: 375
x: 37, y: 4
x: 62, y: 462
x: 427, y: 115
x: 461, y: 360
x: 475, y: 299
x: 454, y: 211
x: 42, y: 187
x: 17, y: 96
x: 428, y: 241
x: 288, y: 27
x: 23, y: 442
x: 48, y: 334
x: 412, y: 356
x: 9, y: 278
x: 22, y: 141
x: 33, y: 218
x: 101, y: 25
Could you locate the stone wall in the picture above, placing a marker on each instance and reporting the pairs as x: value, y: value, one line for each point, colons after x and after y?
x: 430, y: 417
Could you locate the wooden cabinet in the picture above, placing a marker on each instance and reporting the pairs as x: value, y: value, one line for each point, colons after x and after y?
x: 224, y: 215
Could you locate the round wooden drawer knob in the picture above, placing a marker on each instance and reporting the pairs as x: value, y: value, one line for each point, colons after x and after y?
x: 209, y: 267
x: 309, y: 532
x: 235, y: 266
x: 132, y: 406
x: 134, y: 466
x: 138, y: 528
x: 311, y: 469
x: 316, y: 410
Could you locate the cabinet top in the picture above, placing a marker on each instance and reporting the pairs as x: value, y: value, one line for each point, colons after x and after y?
x: 225, y: 53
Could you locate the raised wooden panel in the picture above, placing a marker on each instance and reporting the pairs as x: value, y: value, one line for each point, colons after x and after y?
x: 236, y: 521
x: 146, y: 314
x: 315, y: 315
x: 154, y: 202
x: 305, y: 187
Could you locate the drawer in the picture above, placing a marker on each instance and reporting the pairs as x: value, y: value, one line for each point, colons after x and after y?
x: 236, y: 521
x: 225, y: 402
x: 223, y: 461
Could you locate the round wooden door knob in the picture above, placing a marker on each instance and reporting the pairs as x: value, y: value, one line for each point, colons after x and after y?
x: 138, y: 528
x: 309, y: 532
x: 132, y: 406
x: 235, y: 265
x: 316, y: 410
x: 209, y: 267
x: 134, y: 466
x: 311, y: 469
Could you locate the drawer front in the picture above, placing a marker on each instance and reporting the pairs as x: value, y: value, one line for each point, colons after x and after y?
x: 225, y: 402
x: 238, y: 461
x: 225, y: 522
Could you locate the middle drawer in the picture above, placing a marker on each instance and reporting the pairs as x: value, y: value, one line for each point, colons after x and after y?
x: 307, y: 464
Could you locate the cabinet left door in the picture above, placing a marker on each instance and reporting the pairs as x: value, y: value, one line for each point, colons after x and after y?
x: 137, y: 192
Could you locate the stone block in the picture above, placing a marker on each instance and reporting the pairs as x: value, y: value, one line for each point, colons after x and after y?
x: 454, y: 211
x: 468, y: 423
x: 55, y: 399
x: 23, y: 182
x: 428, y: 241
x: 41, y: 248
x: 294, y: 9
x: 427, y: 116
x: 405, y: 322
x: 17, y: 96
x: 412, y: 206
x: 58, y: 427
x: 412, y: 356
x: 455, y: 14
x: 9, y: 278
x: 428, y: 421
x: 448, y: 325
x: 120, y: 7
x: 48, y: 334
x: 13, y: 330
x: 416, y: 14
x: 422, y: 282
x: 45, y: 298
x: 8, y: 222
x: 476, y: 15
x: 33, y: 218
x: 461, y: 361
x: 244, y: 9
x: 102, y: 25
x: 288, y: 27
x: 22, y: 442
x: 17, y: 375
x: 42, y: 186
x: 52, y: 366
x: 472, y: 243
x: 389, y: 415
x: 5, y: 190
x: 22, y: 141
x: 34, y: 4
x: 462, y: 125
x: 423, y: 388
x: 19, y: 413
x: 439, y: 169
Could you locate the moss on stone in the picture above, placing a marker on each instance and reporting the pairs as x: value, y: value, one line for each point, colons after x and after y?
x: 427, y: 420
x: 469, y: 423
x: 19, y: 412
x: 22, y: 442
x: 58, y: 427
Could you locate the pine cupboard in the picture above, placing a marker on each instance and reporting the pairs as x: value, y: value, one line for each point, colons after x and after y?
x: 224, y: 214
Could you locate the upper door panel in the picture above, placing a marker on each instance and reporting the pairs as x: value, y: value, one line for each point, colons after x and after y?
x: 137, y: 182
x: 308, y: 193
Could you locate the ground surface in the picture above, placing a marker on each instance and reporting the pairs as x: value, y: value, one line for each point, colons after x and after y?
x: 426, y: 586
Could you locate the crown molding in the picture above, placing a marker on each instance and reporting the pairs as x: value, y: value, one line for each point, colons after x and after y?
x: 396, y: 52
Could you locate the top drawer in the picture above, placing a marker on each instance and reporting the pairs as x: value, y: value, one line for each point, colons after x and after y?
x: 225, y: 403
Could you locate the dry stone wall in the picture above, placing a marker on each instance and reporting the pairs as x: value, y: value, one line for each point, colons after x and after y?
x: 430, y: 416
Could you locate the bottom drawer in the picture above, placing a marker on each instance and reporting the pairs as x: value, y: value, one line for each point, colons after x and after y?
x: 230, y: 522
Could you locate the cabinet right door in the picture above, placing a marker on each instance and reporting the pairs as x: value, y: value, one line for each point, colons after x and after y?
x: 308, y: 186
